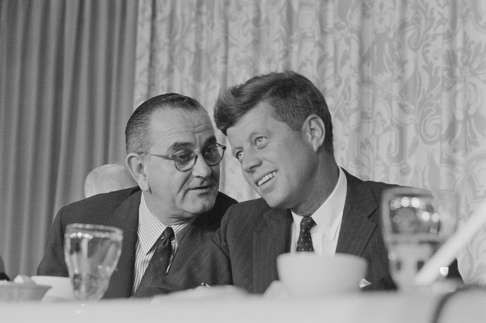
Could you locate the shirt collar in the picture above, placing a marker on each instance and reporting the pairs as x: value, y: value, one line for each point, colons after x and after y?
x: 150, y: 227
x: 330, y: 211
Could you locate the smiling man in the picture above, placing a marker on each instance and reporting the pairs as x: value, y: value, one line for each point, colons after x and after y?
x: 279, y: 128
x: 173, y: 156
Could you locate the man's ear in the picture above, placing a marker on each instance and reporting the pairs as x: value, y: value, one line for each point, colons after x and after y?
x: 314, y: 131
x: 136, y: 166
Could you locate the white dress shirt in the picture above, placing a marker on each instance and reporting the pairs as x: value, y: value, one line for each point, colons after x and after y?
x: 149, y: 230
x: 328, y: 218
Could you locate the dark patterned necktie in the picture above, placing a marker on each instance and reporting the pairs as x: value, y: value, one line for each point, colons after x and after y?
x: 157, y: 267
x: 305, y: 241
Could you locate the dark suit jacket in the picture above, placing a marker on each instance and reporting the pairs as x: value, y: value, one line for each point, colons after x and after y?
x: 120, y: 209
x: 252, y: 235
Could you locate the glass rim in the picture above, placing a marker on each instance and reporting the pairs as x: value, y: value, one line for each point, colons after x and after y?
x: 96, y: 227
x: 405, y: 190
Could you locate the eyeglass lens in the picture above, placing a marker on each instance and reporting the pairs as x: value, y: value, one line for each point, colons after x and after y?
x: 212, y: 155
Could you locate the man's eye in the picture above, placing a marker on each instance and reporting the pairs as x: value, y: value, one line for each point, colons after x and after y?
x: 183, y: 157
x: 261, y: 141
x: 239, y: 156
x: 211, y: 151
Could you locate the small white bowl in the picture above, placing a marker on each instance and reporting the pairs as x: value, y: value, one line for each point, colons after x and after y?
x: 18, y: 292
x: 61, y: 287
x: 309, y: 274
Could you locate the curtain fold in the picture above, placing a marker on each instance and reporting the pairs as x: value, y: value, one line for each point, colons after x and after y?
x: 66, y: 91
x: 405, y: 80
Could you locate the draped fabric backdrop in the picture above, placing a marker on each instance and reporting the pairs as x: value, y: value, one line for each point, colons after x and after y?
x: 405, y: 80
x: 66, y: 91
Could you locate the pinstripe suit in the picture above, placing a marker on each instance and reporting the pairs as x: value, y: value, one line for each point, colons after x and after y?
x: 252, y: 235
x: 120, y: 209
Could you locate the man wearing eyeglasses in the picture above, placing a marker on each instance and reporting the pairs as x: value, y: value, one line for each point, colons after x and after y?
x: 173, y: 155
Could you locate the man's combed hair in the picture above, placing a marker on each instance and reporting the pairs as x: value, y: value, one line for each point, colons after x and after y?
x: 136, y: 131
x: 292, y: 95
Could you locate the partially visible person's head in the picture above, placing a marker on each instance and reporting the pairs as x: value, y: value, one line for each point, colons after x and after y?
x: 280, y: 130
x: 173, y: 155
x: 107, y: 178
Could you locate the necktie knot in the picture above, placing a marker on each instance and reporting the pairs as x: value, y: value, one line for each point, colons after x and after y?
x: 304, y: 243
x: 164, y: 240
x: 307, y: 223
x: 167, y: 234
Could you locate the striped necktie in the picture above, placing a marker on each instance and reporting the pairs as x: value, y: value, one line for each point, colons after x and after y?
x: 159, y: 263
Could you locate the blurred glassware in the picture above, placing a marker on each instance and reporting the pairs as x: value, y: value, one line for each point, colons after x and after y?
x: 61, y: 289
x: 19, y: 292
x: 91, y: 253
x: 415, y: 222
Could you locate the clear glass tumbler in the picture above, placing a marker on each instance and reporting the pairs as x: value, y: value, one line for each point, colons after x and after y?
x: 415, y: 222
x: 91, y: 253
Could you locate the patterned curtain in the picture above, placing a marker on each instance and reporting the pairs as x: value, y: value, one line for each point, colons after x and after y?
x: 405, y: 80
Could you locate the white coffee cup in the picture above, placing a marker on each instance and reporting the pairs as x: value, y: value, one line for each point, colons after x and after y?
x: 310, y: 274
x: 61, y: 287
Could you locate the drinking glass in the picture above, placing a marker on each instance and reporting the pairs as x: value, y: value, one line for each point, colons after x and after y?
x: 415, y: 222
x: 91, y: 253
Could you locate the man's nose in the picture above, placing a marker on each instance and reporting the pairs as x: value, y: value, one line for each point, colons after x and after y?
x: 201, y: 167
x: 250, y: 161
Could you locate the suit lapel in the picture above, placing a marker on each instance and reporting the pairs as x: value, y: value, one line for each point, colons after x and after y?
x: 270, y: 239
x: 126, y: 218
x: 357, y: 225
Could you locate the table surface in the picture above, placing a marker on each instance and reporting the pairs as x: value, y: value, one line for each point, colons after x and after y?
x: 376, y: 307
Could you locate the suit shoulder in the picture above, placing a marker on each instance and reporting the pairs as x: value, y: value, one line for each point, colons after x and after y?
x: 224, y: 201
x: 373, y: 185
x: 247, y: 210
x: 379, y: 186
x: 100, y: 204
x: 376, y: 188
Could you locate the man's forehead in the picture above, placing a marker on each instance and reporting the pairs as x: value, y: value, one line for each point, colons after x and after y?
x: 175, y: 125
x: 175, y: 119
x: 260, y: 119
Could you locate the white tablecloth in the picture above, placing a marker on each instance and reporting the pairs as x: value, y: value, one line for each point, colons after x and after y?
x: 363, y: 307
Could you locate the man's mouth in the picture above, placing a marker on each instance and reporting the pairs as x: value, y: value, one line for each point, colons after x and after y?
x: 201, y: 187
x: 265, y: 178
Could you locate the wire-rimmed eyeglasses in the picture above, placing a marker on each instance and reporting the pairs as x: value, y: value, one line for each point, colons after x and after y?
x: 185, y: 160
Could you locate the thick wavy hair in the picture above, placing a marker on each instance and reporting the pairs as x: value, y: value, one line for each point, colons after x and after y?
x: 293, y: 96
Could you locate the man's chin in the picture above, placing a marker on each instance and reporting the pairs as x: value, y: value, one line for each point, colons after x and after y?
x: 276, y: 202
x: 201, y: 206
x: 272, y: 202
